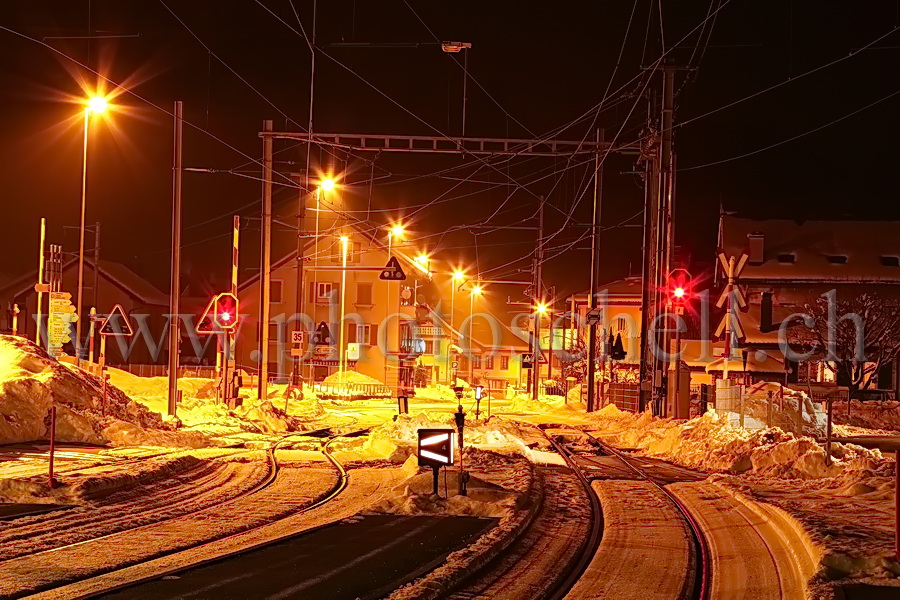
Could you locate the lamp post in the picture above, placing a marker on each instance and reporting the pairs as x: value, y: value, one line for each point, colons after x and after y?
x: 341, y: 354
x: 457, y: 278
x: 97, y: 105
x: 476, y: 291
x: 539, y: 311
x: 395, y: 230
x: 326, y: 184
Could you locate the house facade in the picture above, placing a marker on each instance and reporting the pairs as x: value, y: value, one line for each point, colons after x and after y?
x: 791, y: 264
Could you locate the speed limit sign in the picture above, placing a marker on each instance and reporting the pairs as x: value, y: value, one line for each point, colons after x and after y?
x: 296, y: 337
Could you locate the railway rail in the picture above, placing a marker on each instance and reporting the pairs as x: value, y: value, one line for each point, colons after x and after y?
x: 273, y: 468
x: 701, y: 588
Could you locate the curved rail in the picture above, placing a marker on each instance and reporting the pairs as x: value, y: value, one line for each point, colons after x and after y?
x: 577, y: 568
x: 273, y: 468
x: 704, y: 572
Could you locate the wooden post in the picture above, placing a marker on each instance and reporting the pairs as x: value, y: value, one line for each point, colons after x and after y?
x: 897, y: 505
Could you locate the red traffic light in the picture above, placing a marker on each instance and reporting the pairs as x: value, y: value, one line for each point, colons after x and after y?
x: 225, y: 310
x: 679, y: 286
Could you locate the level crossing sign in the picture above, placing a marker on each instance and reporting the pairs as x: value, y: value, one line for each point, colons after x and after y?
x: 392, y: 271
x: 435, y: 447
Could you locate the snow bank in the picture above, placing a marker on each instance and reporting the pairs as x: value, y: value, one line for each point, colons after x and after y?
x: 398, y: 439
x: 785, y: 402
x: 546, y: 404
x: 712, y: 444
x: 871, y: 414
x: 31, y: 382
x: 503, y: 485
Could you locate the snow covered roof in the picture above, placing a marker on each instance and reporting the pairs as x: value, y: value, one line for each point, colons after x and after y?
x: 115, y: 273
x: 620, y: 291
x: 816, y: 251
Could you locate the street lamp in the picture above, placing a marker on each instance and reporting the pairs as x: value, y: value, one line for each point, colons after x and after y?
x: 327, y: 184
x: 455, y: 280
x: 94, y: 105
x: 477, y: 290
x: 341, y: 354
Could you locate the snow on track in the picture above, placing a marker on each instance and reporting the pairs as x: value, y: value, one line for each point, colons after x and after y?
x: 535, y: 562
x: 752, y: 559
x: 642, y: 531
x: 365, y: 486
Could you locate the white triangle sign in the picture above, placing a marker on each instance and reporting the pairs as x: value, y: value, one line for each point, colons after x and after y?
x: 116, y: 323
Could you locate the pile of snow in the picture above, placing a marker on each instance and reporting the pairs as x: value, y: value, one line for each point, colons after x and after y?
x: 397, y: 440
x: 436, y: 393
x: 784, y: 403
x: 199, y: 410
x: 31, y: 382
x: 712, y: 444
x: 871, y: 414
x: 340, y: 377
x: 546, y: 404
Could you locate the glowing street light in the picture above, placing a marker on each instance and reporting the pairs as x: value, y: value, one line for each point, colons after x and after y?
x: 93, y: 105
x: 327, y: 184
x: 97, y: 104
x: 541, y: 309
x: 458, y: 276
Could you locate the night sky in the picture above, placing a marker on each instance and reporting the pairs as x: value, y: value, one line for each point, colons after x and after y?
x: 234, y: 64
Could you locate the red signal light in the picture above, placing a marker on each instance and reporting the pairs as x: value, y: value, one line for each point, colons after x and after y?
x: 226, y: 310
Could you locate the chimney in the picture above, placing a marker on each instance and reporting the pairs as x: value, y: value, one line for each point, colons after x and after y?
x: 756, y: 243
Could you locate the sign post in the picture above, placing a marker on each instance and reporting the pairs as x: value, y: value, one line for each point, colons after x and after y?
x: 115, y: 324
x: 435, y: 450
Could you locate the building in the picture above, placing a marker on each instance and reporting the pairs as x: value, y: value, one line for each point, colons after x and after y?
x: 110, y: 284
x: 792, y: 263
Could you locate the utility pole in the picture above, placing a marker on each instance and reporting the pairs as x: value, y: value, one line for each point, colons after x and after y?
x: 595, y: 279
x: 297, y: 379
x: 174, y: 284
x: 537, y: 300
x: 667, y: 187
x: 265, y: 258
x: 96, y: 263
x: 658, y: 202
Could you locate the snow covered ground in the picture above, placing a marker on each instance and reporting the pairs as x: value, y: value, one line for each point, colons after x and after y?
x: 845, y: 508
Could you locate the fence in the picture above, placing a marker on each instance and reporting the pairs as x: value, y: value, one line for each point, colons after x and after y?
x: 141, y: 370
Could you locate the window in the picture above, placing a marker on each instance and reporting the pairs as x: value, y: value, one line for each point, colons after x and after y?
x: 361, y: 334
x: 476, y: 362
x: 504, y: 363
x: 276, y: 291
x: 429, y: 347
x: 364, y: 293
x: 354, y: 251
x: 489, y: 363
x: 786, y: 259
x: 321, y: 291
x: 619, y: 325
x: 890, y: 261
x: 837, y: 259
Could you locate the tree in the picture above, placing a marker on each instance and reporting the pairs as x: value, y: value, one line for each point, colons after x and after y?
x: 855, y: 338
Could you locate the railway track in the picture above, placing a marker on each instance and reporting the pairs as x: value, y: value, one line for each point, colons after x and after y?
x: 639, y: 468
x: 589, y: 547
x: 48, y: 556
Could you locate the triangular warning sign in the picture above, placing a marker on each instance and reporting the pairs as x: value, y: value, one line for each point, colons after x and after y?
x: 207, y: 324
x: 322, y: 336
x: 392, y: 271
x: 117, y: 323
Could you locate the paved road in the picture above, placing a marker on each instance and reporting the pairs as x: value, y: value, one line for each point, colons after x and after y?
x: 363, y: 558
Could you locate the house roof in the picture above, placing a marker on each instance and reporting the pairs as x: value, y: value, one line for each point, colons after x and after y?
x: 817, y: 251
x: 620, y: 291
x: 115, y: 273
